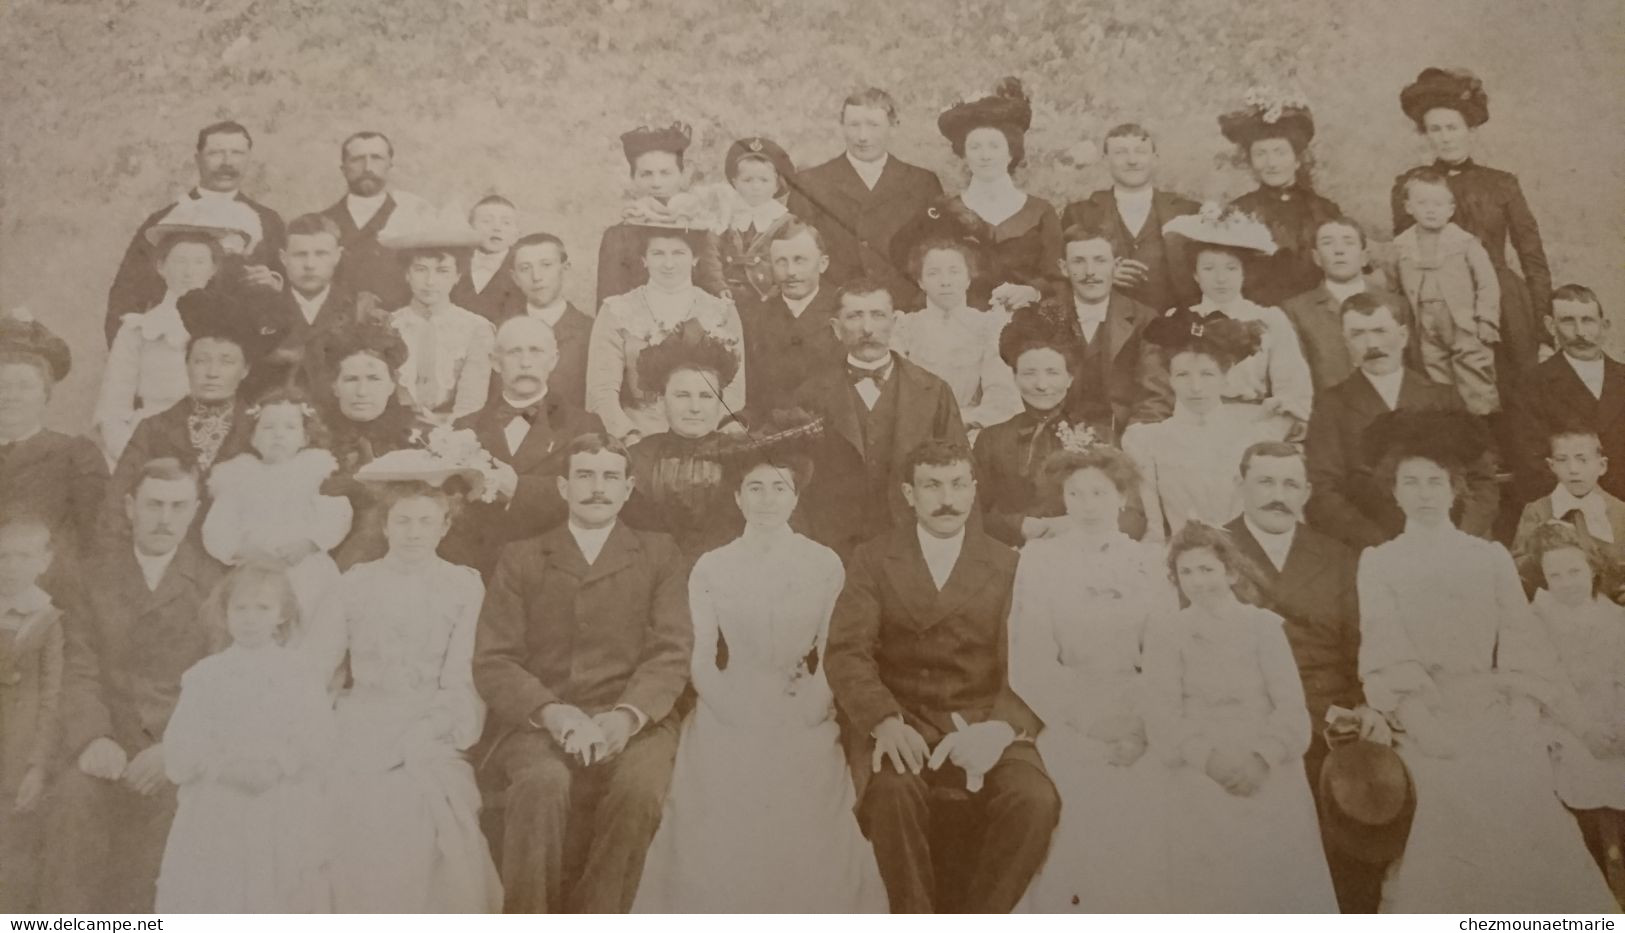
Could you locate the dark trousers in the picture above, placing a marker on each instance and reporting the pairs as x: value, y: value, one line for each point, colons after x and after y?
x: 987, y: 845
x: 574, y: 838
x: 1358, y: 884
x: 104, y: 844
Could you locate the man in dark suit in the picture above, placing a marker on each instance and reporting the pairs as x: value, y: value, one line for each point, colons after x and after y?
x: 1309, y: 581
x: 366, y: 159
x: 1151, y: 270
x: 525, y: 427
x: 917, y: 663
x: 1317, y: 314
x: 309, y: 304
x: 130, y: 637
x: 487, y: 286
x: 1578, y: 384
x: 1349, y: 502
x: 789, y: 337
x: 1105, y: 326
x: 538, y: 263
x: 223, y: 151
x: 877, y: 408
x: 582, y: 652
x: 862, y: 197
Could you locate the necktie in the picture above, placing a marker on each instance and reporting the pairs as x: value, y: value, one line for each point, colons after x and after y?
x: 878, y: 376
x: 1577, y: 518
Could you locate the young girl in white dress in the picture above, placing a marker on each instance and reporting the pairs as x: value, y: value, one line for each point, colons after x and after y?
x: 954, y: 341
x: 1452, y: 654
x: 1225, y: 713
x: 1082, y: 602
x: 1587, y: 630
x: 405, y: 808
x: 268, y: 506
x: 1188, y: 463
x: 760, y: 815
x: 247, y: 746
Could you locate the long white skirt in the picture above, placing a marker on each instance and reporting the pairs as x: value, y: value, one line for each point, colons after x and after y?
x: 759, y: 820
x: 231, y: 852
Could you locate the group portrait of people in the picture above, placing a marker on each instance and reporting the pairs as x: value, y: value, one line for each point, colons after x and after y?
x: 863, y: 548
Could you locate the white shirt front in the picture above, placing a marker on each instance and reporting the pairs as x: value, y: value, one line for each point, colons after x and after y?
x: 153, y: 567
x: 483, y: 266
x: 548, y: 315
x: 1590, y: 505
x: 1090, y: 317
x: 868, y: 389
x: 310, y: 307
x: 798, y: 305
x: 1590, y: 373
x: 205, y: 194
x: 1387, y: 386
x: 1134, y: 207
x: 870, y: 172
x: 1343, y: 290
x: 940, y: 553
x: 590, y: 540
x: 517, y: 429
x: 362, y: 209
x: 1276, y: 546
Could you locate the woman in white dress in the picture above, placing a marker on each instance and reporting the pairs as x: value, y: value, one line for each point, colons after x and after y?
x: 1450, y: 651
x: 405, y: 809
x: 646, y: 315
x: 1225, y: 711
x: 1188, y: 463
x: 760, y: 816
x: 1082, y: 602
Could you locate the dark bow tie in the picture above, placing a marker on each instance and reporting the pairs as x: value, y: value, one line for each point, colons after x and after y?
x: 1452, y: 168
x: 506, y: 413
x: 879, y: 376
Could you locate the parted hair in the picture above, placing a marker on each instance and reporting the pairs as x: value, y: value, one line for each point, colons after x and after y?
x: 916, y: 256
x: 865, y: 285
x: 1367, y: 304
x: 871, y: 97
x: 935, y: 452
x: 168, y: 469
x: 223, y: 128
x: 595, y: 442
x: 312, y: 225
x: 540, y: 239
x: 1196, y: 536
x: 795, y: 227
x: 1579, y: 294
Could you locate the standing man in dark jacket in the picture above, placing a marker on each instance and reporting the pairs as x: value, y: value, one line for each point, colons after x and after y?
x: 366, y: 159
x: 582, y: 651
x: 788, y: 337
x: 538, y: 266
x: 862, y: 197
x: 223, y: 153
x: 1317, y: 314
x: 917, y: 661
x: 1152, y: 270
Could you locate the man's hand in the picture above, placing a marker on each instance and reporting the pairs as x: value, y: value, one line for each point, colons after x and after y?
x: 30, y: 790
x: 103, y: 758
x: 617, y: 727
x: 1012, y: 296
x: 262, y: 277
x: 899, y: 741
x: 505, y: 479
x: 1238, y: 771
x: 576, y: 732
x: 145, y: 774
x: 976, y: 749
x: 1128, y: 273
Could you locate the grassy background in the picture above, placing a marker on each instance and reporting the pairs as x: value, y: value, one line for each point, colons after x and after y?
x: 527, y: 98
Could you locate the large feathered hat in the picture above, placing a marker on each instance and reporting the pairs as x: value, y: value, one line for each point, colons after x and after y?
x: 1453, y: 439
x: 1226, y: 339
x: 783, y: 436
x: 212, y: 217
x: 1456, y: 88
x: 1006, y: 108
x: 673, y: 138
x: 691, y: 346
x: 22, y: 335
x: 1269, y: 113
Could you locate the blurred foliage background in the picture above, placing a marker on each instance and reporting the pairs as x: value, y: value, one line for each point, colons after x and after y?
x: 527, y: 98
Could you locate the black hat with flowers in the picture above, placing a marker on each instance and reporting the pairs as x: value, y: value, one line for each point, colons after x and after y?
x: 1454, y: 88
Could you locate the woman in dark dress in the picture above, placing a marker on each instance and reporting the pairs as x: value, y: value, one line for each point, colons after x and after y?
x: 1447, y: 106
x: 654, y: 156
x: 1273, y: 133
x: 44, y: 474
x: 678, y: 475
x: 1018, y: 235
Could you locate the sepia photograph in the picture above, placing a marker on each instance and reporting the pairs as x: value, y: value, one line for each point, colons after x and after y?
x: 740, y: 457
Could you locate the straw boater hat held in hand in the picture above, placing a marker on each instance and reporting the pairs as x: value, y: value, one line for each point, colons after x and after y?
x: 220, y: 218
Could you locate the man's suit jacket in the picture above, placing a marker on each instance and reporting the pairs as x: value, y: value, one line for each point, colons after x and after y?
x: 498, y: 298
x: 1317, y: 316
x: 367, y: 266
x: 556, y: 629
x: 283, y: 328
x: 572, y: 333
x: 128, y: 646
x: 1125, y: 383
x: 900, y: 647
x: 782, y: 350
x: 858, y: 223
x: 1348, y: 501
x: 137, y: 285
x: 1169, y: 283
x: 1314, y: 591
x: 484, y: 528
x: 855, y: 492
x: 1553, y: 395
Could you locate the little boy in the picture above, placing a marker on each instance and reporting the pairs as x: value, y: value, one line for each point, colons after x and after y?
x: 487, y: 287
x: 1450, y: 281
x: 1578, y: 462
x: 447, y: 373
x: 31, y: 646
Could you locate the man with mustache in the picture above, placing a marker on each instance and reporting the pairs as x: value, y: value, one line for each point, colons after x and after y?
x: 877, y: 407
x: 1150, y: 269
x: 581, y: 654
x: 934, y: 734
x: 1580, y: 384
x: 130, y: 637
x: 1316, y: 314
x: 1308, y: 579
x: 524, y: 425
x: 366, y: 159
x: 223, y: 155
x: 1349, y: 501
x: 788, y: 337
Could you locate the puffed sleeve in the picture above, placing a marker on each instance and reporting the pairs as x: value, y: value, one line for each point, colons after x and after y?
x: 1036, y: 673
x: 114, y: 415
x: 1137, y: 444
x: 330, y: 516
x: 830, y: 580
x: 474, y: 381
x: 1290, y: 383
x: 1000, y: 399
x: 191, y: 740
x: 225, y: 532
x: 1391, y: 669
x: 606, y: 371
x: 1285, y: 735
